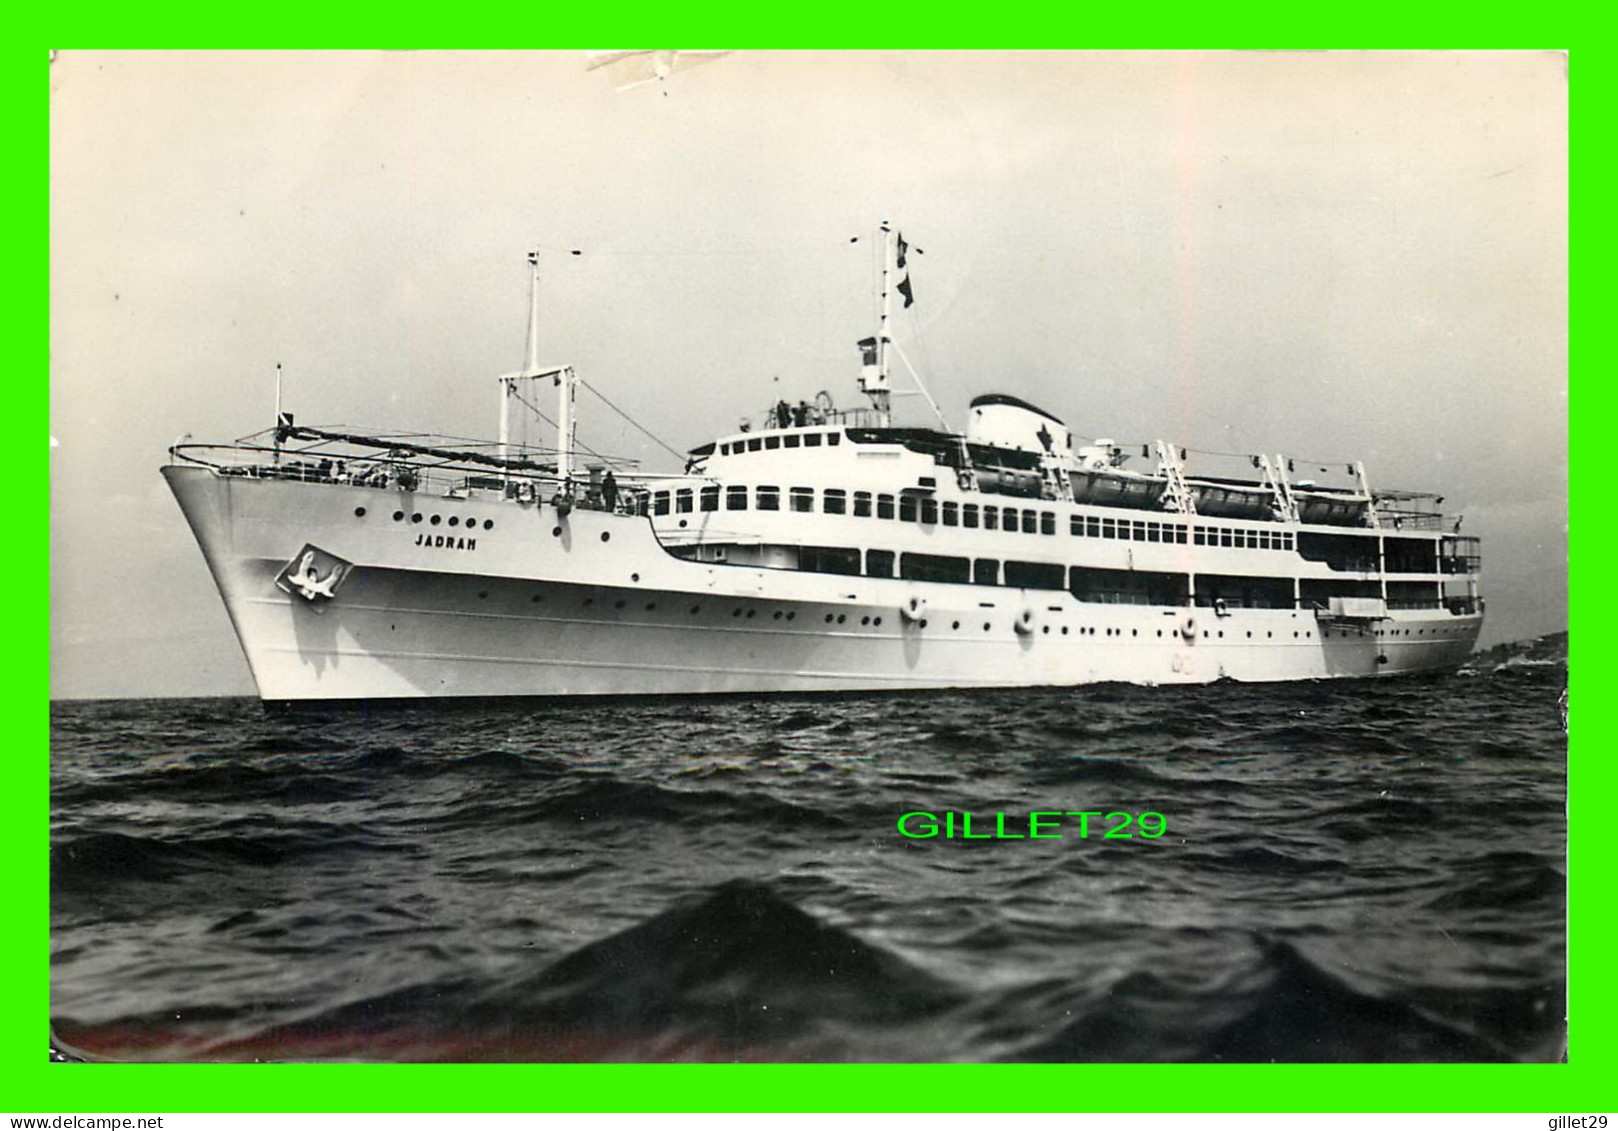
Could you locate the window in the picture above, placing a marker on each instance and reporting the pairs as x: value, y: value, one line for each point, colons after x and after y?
x: 1154, y: 532
x: 660, y: 503
x: 929, y: 511
x: 682, y: 501
x: 793, y: 440
x: 772, y: 442
x: 1009, y: 519
x: 1092, y: 527
x: 952, y: 514
x: 1224, y: 537
x: 907, y: 508
x: 1201, y: 538
x: 1179, y: 535
x: 803, y: 499
x: 986, y: 571
x: 862, y: 504
x: 991, y: 518
x: 1264, y: 539
x: 1252, y: 539
x: 879, y: 563
x: 710, y: 498
x: 1075, y: 525
x: 832, y: 438
x: 1108, y: 530
x: 829, y: 559
x: 1140, y: 531
x: 735, y: 498
x: 1047, y: 522
x: 969, y: 515
x: 754, y: 444
x: 812, y: 440
x: 1036, y: 575
x: 933, y: 567
x: 884, y: 506
x: 724, y: 449
x: 1030, y: 522
x: 834, y: 501
x: 769, y: 498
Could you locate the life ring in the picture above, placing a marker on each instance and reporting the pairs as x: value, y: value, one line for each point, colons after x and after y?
x: 965, y: 478
x: 1024, y: 624
x: 914, y: 608
x: 1188, y: 627
x: 525, y: 494
x: 1219, y: 607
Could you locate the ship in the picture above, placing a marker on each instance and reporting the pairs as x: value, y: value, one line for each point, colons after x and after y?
x: 812, y: 550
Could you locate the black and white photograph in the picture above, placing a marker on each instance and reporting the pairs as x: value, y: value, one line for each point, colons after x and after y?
x: 809, y: 556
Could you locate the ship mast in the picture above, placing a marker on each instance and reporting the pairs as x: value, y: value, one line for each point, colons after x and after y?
x: 563, y: 375
x: 874, y: 374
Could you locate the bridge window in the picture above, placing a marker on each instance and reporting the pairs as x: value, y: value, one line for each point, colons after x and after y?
x: 1047, y: 522
x: 660, y: 503
x: 1154, y: 532
x: 735, y: 498
x: 952, y: 514
x: 862, y: 504
x: 879, y: 563
x: 769, y: 498
x: 969, y: 515
x: 929, y: 511
x: 1030, y: 522
x: 710, y: 498
x: 834, y: 501
x: 907, y: 508
x: 1075, y: 525
x: 829, y: 559
x: 991, y: 518
x: 1108, y: 529
x: 986, y: 571
x: 884, y: 506
x: 803, y: 499
x: 682, y: 501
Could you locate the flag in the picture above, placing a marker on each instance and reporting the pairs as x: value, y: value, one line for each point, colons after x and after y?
x: 904, y: 289
x: 903, y: 247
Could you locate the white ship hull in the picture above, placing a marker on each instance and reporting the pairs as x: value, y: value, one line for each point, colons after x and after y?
x: 591, y: 603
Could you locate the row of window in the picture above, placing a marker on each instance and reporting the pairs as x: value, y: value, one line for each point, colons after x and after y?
x: 972, y: 516
x: 786, y: 440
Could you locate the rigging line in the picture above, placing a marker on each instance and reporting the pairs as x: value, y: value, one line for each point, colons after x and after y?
x: 626, y: 416
x: 921, y: 387
x: 577, y: 442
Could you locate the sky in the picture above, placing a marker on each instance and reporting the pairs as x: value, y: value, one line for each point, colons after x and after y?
x: 1337, y: 256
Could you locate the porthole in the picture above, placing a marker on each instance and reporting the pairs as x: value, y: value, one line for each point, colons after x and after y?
x: 398, y: 516
x: 735, y: 612
x: 359, y: 512
x: 651, y: 606
x: 841, y: 617
x: 792, y: 616
x: 751, y: 613
x: 956, y: 624
x: 695, y: 609
x: 435, y: 520
x: 830, y: 618
x: 588, y: 601
x: 471, y: 523
x: 1064, y: 630
x: 1046, y: 629
x: 488, y: 524
x: 606, y: 536
x: 1221, y: 634
x: 1134, y: 632
x: 415, y: 518
x: 985, y: 626
x: 556, y: 532
x: 634, y: 577
x: 617, y: 604
x: 454, y: 520
x: 923, y: 622
x: 877, y: 621
x: 483, y: 595
x: 537, y: 598
x: 1249, y: 636
x: 865, y: 620
x: 777, y: 615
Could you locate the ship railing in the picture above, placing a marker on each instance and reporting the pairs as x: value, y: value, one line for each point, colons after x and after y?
x: 406, y: 472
